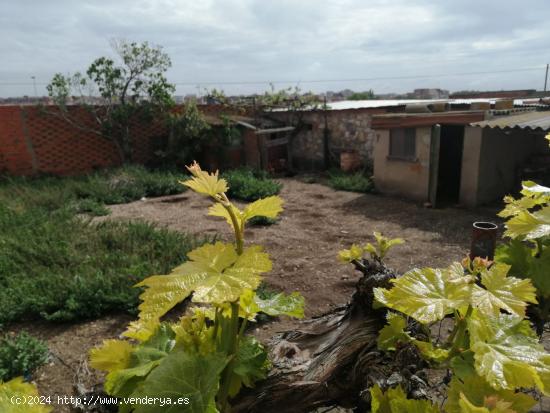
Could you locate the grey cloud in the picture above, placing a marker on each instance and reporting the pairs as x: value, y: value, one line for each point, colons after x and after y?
x: 257, y: 40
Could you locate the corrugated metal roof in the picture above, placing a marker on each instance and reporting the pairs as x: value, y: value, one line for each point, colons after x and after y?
x: 530, y: 120
x: 365, y: 104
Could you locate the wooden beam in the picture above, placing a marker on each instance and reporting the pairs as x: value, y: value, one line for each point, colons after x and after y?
x: 425, y: 119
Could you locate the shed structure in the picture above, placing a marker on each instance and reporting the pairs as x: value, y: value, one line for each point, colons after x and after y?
x: 468, y: 157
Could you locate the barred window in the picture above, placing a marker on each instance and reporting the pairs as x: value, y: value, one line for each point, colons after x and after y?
x: 403, y: 143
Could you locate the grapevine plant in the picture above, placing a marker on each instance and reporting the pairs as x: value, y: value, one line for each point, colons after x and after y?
x: 492, y: 351
x: 528, y: 252
x: 205, y: 357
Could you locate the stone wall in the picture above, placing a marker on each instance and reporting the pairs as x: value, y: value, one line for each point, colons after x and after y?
x: 347, y: 130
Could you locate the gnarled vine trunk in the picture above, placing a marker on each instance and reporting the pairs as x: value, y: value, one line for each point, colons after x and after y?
x: 333, y: 359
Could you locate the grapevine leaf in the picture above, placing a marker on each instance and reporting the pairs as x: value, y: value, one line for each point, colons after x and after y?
x: 355, y: 253
x: 507, y: 352
x: 194, y: 334
x: 463, y: 365
x: 214, y: 271
x: 502, y: 292
x: 491, y: 405
x: 204, y: 182
x: 539, y: 273
x: 251, y: 365
x: 248, y: 307
x: 267, y: 207
x: 281, y: 304
x: 533, y: 195
x: 481, y: 395
x: 393, y: 332
x: 18, y: 388
x: 144, y: 358
x: 384, y: 245
x: 219, y: 286
x: 430, y: 352
x: 141, y: 330
x: 184, y: 376
x: 394, y: 400
x: 218, y: 210
x: 112, y: 355
x: 517, y: 255
x: 380, y: 401
x: 527, y: 225
x: 427, y: 294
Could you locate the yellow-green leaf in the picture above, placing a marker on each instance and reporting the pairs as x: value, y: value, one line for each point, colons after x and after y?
x: 165, y: 291
x: 248, y: 308
x: 507, y: 352
x: 204, y: 182
x: 355, y: 253
x: 393, y: 332
x: 502, y: 292
x: 394, y: 400
x: 112, y: 355
x: 17, y: 388
x: 215, y: 272
x: 267, y: 207
x: 220, y: 285
x: 142, y: 329
x: 427, y: 294
x: 527, y: 225
x: 430, y: 352
x: 194, y: 334
x: 481, y: 395
x: 143, y: 359
x: 291, y: 305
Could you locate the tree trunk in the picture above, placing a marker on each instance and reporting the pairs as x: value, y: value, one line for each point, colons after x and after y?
x: 333, y: 359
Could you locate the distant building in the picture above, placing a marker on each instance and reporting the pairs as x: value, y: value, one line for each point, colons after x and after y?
x: 430, y: 94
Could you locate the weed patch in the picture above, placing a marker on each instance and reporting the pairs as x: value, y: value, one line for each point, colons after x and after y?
x: 356, y: 182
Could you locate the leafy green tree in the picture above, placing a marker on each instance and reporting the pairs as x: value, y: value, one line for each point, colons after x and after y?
x: 117, y: 93
x: 188, y: 133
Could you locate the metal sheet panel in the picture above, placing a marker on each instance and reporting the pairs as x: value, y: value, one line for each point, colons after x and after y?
x: 529, y: 120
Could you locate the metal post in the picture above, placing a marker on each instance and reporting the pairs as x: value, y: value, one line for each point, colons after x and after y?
x: 36, y: 95
x: 546, y: 77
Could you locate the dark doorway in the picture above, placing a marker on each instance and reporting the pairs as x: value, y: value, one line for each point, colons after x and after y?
x: 450, y: 164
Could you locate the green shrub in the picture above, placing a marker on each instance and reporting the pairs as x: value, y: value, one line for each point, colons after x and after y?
x: 56, y: 266
x: 88, y: 193
x: 21, y: 355
x: 128, y: 184
x: 356, y: 182
x: 248, y: 185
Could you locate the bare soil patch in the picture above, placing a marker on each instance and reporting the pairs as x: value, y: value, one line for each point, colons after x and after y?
x: 317, y: 222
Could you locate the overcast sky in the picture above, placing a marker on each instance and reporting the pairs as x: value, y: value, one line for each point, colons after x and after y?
x: 211, y: 42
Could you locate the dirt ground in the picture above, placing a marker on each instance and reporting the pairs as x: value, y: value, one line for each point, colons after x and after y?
x: 316, y: 223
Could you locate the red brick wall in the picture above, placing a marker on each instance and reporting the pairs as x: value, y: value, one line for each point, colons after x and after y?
x: 36, y: 140
x: 15, y: 156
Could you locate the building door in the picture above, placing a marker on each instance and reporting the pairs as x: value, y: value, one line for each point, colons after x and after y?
x: 451, y: 144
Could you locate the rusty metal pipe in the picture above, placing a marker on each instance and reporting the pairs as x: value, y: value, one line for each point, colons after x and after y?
x: 484, y: 238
